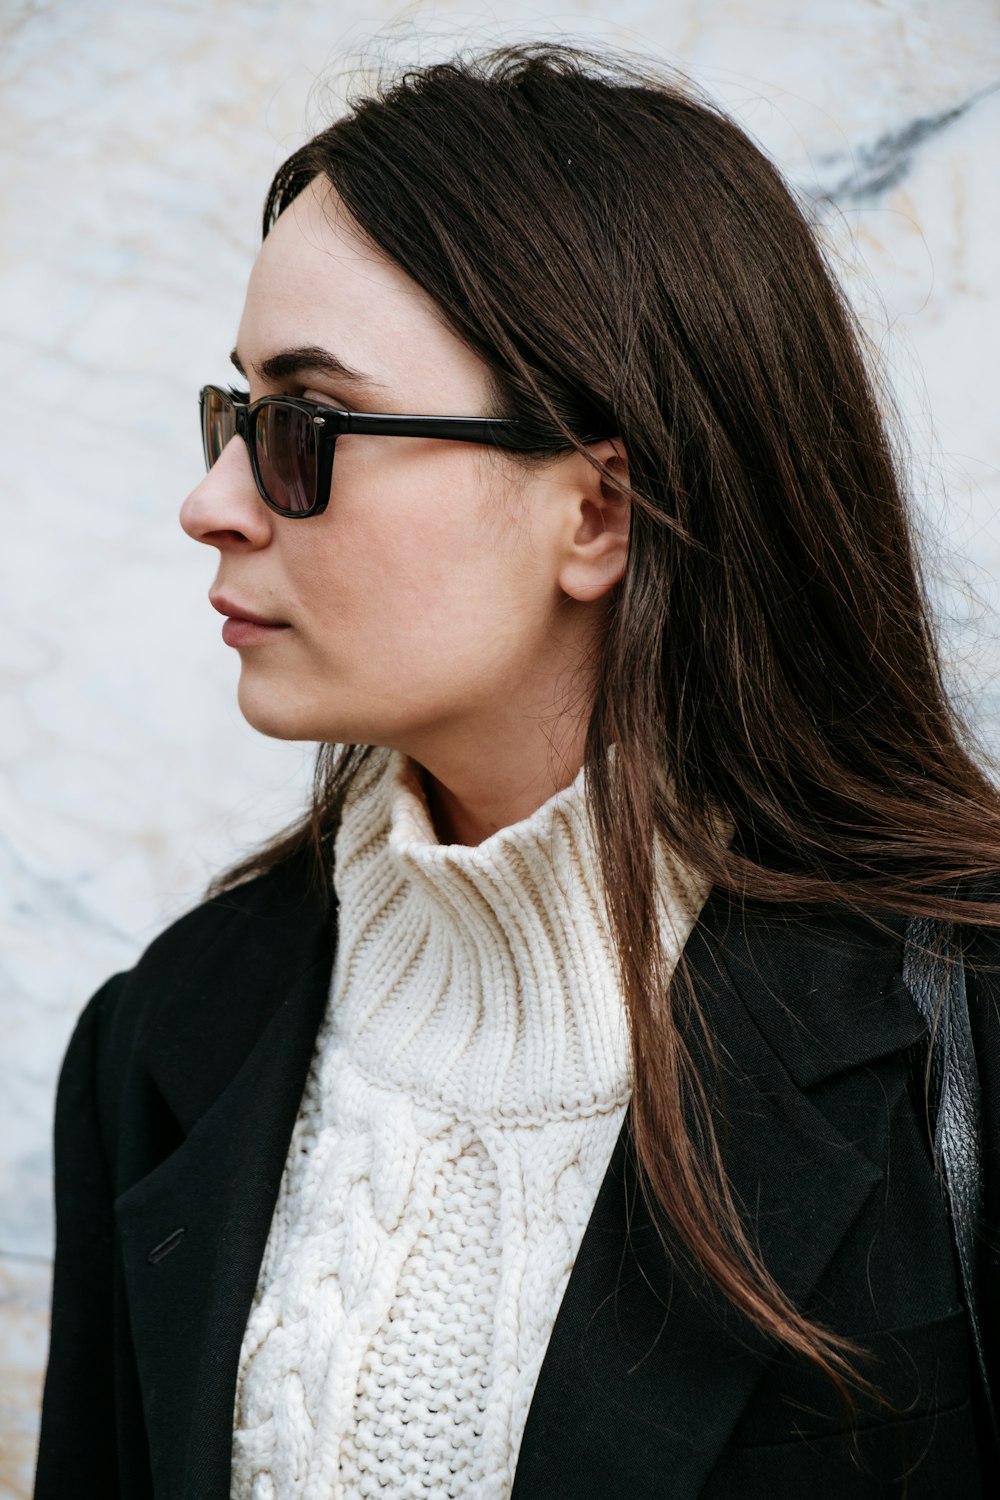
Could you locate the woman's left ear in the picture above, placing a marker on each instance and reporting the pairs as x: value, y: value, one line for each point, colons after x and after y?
x: 596, y: 548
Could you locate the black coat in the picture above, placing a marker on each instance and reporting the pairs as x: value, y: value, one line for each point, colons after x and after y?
x: 176, y: 1103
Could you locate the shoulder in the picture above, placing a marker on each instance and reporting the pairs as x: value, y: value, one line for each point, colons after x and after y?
x: 216, y: 966
x: 263, y: 917
x: 824, y: 984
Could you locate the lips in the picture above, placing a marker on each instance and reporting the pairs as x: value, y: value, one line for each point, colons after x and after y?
x: 245, y: 626
x: 241, y: 612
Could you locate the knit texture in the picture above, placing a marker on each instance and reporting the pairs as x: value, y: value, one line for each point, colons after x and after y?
x: 469, y: 1083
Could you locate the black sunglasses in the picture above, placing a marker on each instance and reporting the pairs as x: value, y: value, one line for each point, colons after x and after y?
x: 291, y: 441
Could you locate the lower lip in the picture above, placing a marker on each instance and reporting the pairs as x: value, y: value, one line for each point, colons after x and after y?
x: 237, y: 632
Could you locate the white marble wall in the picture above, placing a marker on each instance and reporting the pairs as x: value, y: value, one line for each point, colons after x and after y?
x: 136, y: 141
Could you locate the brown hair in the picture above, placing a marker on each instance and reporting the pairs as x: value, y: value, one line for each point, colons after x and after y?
x: 626, y: 261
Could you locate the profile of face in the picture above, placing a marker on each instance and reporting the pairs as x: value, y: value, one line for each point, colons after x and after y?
x: 449, y: 591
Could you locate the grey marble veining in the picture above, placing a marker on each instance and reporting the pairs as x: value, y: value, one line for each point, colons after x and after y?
x: 878, y: 165
x: 136, y: 142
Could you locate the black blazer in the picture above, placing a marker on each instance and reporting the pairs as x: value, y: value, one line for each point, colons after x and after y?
x: 176, y: 1103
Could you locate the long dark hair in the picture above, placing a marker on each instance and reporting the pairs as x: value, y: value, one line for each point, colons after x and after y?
x: 626, y: 261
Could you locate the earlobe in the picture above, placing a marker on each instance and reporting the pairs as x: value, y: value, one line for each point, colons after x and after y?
x: 598, y: 551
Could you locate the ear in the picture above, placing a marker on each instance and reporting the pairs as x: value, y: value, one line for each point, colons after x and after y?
x: 597, y: 526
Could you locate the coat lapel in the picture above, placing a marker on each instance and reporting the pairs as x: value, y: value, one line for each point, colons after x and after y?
x: 193, y: 1231
x: 647, y: 1371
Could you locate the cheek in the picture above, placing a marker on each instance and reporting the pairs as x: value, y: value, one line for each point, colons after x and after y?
x: 419, y: 595
x: 413, y: 548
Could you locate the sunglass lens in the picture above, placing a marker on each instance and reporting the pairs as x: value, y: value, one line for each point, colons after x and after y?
x: 286, y: 456
x: 218, y: 423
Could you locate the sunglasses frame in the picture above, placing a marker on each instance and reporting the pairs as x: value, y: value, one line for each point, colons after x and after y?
x: 331, y: 422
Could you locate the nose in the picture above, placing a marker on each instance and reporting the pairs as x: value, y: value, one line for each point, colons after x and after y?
x: 225, y: 510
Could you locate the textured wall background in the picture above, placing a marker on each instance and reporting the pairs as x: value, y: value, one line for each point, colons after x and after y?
x: 136, y: 141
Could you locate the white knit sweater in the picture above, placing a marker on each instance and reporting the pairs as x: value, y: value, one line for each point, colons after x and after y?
x: 468, y: 1087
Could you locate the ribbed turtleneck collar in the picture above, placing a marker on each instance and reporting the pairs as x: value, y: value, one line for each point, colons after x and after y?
x: 479, y: 979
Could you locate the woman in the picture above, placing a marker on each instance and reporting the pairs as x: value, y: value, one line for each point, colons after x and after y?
x: 546, y: 1113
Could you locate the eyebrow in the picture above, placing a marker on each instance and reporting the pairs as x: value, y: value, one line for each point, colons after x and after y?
x: 290, y: 362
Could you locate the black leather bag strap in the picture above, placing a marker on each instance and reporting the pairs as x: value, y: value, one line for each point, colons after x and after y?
x: 935, y: 976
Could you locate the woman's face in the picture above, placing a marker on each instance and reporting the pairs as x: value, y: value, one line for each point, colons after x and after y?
x: 430, y: 593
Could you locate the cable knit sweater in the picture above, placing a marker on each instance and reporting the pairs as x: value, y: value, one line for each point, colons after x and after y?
x: 468, y: 1086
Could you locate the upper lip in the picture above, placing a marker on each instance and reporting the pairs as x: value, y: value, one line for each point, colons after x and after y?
x: 240, y: 612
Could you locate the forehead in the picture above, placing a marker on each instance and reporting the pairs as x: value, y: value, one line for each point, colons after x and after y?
x: 318, y: 280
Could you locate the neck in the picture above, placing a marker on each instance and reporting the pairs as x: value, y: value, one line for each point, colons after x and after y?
x: 470, y: 798
x: 519, y: 740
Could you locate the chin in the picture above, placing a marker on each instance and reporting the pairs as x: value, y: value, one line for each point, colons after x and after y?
x: 282, y: 716
x: 272, y: 713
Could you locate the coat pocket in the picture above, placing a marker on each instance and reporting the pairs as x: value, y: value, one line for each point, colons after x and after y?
x: 925, y: 1368
x: 919, y: 1442
x: 928, y: 1457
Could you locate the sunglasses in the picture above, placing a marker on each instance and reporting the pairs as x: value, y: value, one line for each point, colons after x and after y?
x: 291, y: 442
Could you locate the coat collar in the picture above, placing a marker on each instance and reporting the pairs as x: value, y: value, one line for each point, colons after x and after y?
x: 626, y: 1396
x: 235, y: 975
